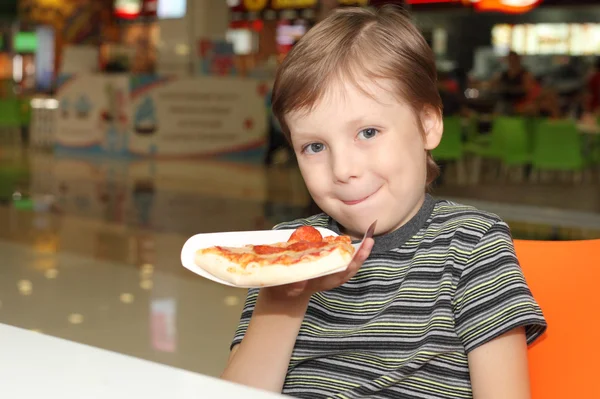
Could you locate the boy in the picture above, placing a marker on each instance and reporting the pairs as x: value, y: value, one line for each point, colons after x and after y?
x: 436, y: 305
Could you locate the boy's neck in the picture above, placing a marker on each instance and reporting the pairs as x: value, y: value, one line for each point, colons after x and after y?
x: 399, y: 235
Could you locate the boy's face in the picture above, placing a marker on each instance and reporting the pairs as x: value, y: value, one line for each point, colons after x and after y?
x: 363, y: 158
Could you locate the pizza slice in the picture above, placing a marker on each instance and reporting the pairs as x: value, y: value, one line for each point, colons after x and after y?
x: 305, y: 255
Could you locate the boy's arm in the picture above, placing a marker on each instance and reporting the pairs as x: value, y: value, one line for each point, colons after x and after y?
x: 261, y: 360
x: 499, y: 368
x: 496, y: 316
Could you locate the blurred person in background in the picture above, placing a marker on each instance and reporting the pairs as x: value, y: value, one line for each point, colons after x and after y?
x: 452, y: 94
x: 546, y: 104
x: 276, y: 140
x: 593, y: 89
x: 277, y: 143
x: 515, y: 85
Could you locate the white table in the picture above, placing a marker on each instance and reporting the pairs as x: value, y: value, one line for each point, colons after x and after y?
x: 36, y: 366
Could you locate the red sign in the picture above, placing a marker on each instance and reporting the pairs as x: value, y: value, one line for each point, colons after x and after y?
x: 507, y: 6
x: 431, y: 1
x: 133, y: 9
x: 128, y: 9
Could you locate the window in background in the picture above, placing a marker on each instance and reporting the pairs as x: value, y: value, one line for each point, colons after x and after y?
x: 171, y: 9
x: 243, y: 41
x: 594, y: 39
x: 501, y: 39
x: 531, y: 42
x: 536, y: 39
x: 553, y: 38
x: 519, y: 39
x: 578, y: 37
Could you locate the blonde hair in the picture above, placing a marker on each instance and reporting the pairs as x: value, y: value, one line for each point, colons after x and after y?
x: 358, y: 43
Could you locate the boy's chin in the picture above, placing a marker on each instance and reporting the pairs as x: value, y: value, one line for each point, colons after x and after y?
x: 353, y: 227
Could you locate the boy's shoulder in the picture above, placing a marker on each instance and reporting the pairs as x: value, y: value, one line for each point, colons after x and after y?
x: 449, y: 214
x: 318, y: 220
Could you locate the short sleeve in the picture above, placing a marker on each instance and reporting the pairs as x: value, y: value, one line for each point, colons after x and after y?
x: 246, y: 316
x: 492, y: 296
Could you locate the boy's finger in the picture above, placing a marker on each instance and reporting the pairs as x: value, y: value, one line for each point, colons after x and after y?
x: 360, y: 257
x: 365, y: 250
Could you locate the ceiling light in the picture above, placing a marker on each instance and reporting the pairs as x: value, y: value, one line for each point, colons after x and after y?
x: 127, y: 298
x: 25, y: 287
x: 147, y: 270
x: 75, y: 318
x: 51, y: 274
x: 146, y: 284
x: 232, y: 300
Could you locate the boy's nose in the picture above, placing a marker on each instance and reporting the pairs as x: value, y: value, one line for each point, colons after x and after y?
x: 345, y: 166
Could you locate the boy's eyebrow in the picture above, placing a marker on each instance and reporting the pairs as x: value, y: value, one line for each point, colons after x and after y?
x: 351, y: 124
x: 355, y: 122
x: 359, y: 122
x: 303, y: 135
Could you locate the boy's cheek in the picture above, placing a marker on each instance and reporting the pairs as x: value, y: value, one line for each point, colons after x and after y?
x: 311, y: 171
x: 317, y: 183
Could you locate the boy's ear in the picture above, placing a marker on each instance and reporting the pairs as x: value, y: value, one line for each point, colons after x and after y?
x: 433, y: 126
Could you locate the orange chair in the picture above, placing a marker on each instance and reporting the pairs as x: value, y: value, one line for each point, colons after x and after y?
x: 564, y: 277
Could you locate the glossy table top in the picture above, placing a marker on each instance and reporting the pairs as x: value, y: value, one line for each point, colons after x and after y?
x: 38, y: 366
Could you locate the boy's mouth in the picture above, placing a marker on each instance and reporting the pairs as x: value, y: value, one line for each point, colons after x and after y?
x: 358, y: 201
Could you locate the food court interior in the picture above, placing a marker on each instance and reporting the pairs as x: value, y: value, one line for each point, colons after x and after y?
x: 127, y: 127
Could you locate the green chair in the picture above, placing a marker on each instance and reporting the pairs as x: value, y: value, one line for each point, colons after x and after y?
x: 473, y: 129
x: 494, y: 148
x: 450, y: 147
x: 532, y: 128
x: 10, y: 113
x: 516, y: 146
x: 596, y: 150
x: 557, y: 147
x: 10, y: 122
x: 509, y: 143
x: 516, y: 151
x: 25, y: 111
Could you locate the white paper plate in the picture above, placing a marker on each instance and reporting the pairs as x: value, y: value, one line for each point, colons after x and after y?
x: 238, y: 239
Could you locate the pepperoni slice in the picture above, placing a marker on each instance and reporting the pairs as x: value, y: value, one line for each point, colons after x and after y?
x: 267, y: 249
x: 306, y: 233
x: 304, y: 245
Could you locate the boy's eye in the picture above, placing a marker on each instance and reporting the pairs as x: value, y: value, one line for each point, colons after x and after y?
x: 368, y: 133
x: 314, y: 148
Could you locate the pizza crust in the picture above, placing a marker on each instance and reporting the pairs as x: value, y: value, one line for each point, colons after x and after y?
x: 274, y: 274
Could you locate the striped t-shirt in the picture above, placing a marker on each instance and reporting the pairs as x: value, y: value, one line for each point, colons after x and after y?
x: 442, y: 285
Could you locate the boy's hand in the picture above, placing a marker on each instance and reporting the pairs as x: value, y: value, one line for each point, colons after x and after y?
x: 304, y: 289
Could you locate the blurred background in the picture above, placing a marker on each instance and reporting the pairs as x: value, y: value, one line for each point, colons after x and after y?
x: 127, y: 126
